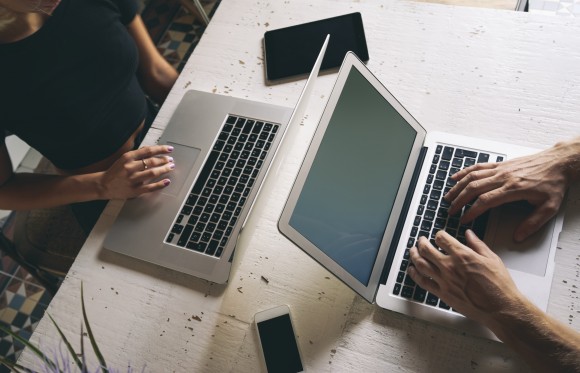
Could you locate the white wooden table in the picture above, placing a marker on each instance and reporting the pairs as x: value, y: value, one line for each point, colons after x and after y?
x: 497, y: 74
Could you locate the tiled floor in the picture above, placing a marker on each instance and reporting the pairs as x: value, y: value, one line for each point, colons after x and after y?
x: 22, y: 299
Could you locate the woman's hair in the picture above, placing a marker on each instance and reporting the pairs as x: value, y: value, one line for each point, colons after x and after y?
x: 6, y: 18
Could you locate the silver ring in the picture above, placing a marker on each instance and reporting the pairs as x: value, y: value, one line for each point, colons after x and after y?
x: 144, y: 164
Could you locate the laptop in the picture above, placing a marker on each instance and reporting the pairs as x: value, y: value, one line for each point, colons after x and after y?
x: 373, y: 181
x: 223, y: 147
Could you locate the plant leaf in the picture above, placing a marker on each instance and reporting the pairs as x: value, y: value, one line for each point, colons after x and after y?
x: 11, y: 365
x: 83, y: 349
x: 26, y: 343
x: 91, y: 336
x: 68, y: 345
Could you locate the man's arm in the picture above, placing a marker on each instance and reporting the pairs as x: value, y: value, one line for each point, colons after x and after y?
x: 473, y: 280
x: 127, y: 178
x: 155, y: 74
x: 541, y: 179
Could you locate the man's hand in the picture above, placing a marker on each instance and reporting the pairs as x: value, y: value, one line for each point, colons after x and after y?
x: 540, y: 179
x: 473, y: 280
x: 134, y: 173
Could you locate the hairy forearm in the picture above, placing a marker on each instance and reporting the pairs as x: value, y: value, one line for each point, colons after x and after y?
x: 25, y: 191
x: 568, y: 153
x: 544, y: 343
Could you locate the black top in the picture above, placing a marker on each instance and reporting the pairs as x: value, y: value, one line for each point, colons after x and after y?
x: 70, y: 89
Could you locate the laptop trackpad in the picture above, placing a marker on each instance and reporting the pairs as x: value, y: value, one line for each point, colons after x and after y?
x: 531, y: 255
x: 184, y: 157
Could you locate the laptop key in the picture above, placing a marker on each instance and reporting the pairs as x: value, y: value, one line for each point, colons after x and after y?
x: 407, y: 292
x: 212, y: 247
x: 419, y: 294
x: 447, y: 153
x: 469, y: 153
x: 443, y: 305
x: 205, y: 172
x: 194, y: 246
x: 184, y: 238
x: 400, y: 277
x: 432, y: 300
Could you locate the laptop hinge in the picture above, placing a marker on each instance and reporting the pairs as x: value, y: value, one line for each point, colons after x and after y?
x: 403, y: 216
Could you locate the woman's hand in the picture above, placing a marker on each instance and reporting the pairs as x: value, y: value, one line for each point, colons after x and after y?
x: 137, y: 172
x: 541, y: 179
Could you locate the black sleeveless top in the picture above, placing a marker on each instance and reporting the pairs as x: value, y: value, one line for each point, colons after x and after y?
x: 70, y: 90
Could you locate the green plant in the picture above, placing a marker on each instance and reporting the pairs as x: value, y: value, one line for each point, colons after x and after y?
x: 61, y: 363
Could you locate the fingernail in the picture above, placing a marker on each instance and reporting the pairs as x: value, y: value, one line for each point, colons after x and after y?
x: 170, y: 148
x: 169, y: 159
x: 166, y: 182
x: 172, y: 166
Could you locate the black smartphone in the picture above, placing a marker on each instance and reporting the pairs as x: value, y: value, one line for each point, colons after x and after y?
x: 278, y: 343
x: 292, y: 51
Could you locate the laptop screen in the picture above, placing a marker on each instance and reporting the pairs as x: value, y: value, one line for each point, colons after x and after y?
x: 348, y: 195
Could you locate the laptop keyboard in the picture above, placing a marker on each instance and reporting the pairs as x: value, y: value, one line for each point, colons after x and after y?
x: 432, y: 216
x: 211, y: 210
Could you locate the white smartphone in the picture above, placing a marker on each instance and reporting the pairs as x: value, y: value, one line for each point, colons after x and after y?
x: 278, y: 345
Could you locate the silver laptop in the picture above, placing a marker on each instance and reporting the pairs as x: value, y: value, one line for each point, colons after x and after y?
x: 223, y: 147
x: 372, y: 182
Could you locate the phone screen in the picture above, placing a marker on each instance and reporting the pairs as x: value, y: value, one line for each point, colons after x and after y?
x: 293, y: 50
x: 279, y: 345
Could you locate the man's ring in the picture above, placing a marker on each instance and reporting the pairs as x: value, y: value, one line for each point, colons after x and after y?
x: 144, y: 164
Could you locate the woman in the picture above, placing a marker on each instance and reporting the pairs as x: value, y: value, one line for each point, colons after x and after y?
x: 74, y: 76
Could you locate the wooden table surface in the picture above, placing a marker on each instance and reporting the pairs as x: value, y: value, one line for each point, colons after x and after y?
x: 509, y: 76
x: 493, y: 4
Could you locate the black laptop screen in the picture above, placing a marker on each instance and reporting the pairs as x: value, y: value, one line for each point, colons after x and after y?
x: 350, y: 190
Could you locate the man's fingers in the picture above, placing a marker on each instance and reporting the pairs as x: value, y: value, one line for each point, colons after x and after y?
x: 471, y: 186
x: 424, y: 267
x: 486, y: 201
x: 448, y: 243
x: 476, y: 244
x: 427, y: 251
x: 425, y: 282
x: 479, y: 166
x: 536, y: 220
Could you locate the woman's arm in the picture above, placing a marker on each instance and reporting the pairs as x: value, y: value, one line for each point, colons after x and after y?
x: 155, y: 74
x: 126, y: 178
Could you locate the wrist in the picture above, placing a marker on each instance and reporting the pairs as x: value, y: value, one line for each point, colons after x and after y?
x: 94, y: 184
x: 509, y: 321
x: 568, y: 159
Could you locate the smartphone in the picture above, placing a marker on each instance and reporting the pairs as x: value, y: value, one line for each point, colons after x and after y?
x: 278, y: 344
x: 292, y: 51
